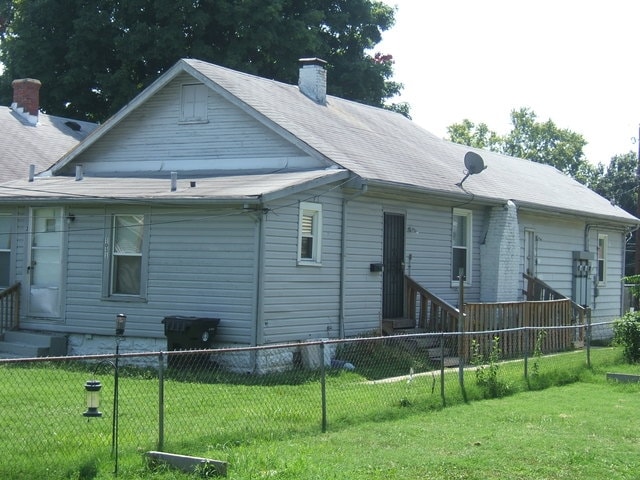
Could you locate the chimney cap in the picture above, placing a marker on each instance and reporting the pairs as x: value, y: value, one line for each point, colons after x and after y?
x: 26, y: 80
x: 313, y: 61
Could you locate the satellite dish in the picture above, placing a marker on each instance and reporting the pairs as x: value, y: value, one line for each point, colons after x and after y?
x: 473, y: 164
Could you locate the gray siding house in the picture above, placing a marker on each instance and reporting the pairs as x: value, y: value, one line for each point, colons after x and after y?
x: 291, y: 216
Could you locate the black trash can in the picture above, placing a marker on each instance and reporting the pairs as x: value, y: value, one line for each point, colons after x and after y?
x: 189, y: 333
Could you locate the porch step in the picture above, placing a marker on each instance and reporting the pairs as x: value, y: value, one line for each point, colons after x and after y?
x: 29, y: 344
x: 391, y: 324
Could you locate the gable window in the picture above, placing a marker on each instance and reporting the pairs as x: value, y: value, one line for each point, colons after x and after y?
x: 602, y: 259
x: 194, y: 103
x: 461, y: 245
x: 5, y: 251
x: 309, y: 233
x: 127, y: 263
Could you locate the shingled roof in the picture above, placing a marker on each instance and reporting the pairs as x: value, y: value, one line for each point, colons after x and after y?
x: 382, y: 147
x: 29, y: 137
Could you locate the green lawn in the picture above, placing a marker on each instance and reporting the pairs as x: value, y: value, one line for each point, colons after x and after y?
x: 586, y: 428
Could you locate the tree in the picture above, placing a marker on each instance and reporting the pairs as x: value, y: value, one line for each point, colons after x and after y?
x: 544, y: 143
x: 479, y: 136
x: 618, y: 181
x: 539, y: 142
x: 94, y: 56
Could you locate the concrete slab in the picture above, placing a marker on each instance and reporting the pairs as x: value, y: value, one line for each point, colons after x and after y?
x: 186, y: 463
x: 623, y: 377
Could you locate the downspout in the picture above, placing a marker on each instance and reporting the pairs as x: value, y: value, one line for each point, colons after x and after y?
x: 257, y: 336
x: 343, y: 257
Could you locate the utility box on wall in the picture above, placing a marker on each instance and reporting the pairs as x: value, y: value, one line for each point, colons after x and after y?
x: 582, y: 278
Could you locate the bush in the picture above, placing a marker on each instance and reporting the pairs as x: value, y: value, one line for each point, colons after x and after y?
x: 626, y: 333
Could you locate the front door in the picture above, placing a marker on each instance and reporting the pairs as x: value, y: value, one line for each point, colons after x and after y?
x: 393, y: 261
x: 45, y: 262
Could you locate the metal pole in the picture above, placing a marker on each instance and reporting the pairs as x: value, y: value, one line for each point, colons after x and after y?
x: 588, y: 337
x: 114, y: 429
x: 444, y: 401
x: 160, y: 401
x: 637, y: 246
x: 323, y: 388
x: 461, y: 353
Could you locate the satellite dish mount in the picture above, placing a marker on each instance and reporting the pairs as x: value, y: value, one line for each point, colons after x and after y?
x: 473, y: 164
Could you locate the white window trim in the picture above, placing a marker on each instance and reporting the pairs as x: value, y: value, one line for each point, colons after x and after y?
x: 314, y: 209
x: 195, y: 115
x: 468, y: 214
x: 605, y: 239
x: 9, y: 250
x: 107, y: 285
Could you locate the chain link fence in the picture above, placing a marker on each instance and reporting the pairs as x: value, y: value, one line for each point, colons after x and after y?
x: 205, y: 401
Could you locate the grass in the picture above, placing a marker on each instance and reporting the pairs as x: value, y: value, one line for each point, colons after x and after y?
x: 400, y: 429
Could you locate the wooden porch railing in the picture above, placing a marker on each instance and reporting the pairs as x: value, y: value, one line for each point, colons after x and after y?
x: 538, y: 290
x: 10, y: 308
x: 549, y: 311
x: 427, y: 310
x: 544, y: 315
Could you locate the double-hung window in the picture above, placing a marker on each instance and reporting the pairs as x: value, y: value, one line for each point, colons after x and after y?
x: 309, y: 233
x: 602, y: 259
x: 461, y: 245
x: 127, y: 252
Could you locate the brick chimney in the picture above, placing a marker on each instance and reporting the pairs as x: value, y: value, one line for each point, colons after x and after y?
x: 26, y: 98
x: 312, y: 80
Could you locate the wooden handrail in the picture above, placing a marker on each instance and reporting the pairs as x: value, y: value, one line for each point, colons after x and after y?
x: 538, y: 290
x: 428, y: 310
x: 10, y: 308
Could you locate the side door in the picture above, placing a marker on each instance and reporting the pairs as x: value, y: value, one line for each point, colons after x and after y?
x: 44, y: 262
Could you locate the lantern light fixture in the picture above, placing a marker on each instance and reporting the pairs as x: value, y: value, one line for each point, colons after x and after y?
x: 121, y: 321
x: 92, y: 388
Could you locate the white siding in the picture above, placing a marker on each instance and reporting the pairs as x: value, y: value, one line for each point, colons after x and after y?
x: 363, y: 289
x: 152, y: 139
x: 201, y: 263
x: 557, y: 238
x: 301, y: 301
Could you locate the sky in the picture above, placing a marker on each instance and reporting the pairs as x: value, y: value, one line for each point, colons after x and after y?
x: 574, y: 62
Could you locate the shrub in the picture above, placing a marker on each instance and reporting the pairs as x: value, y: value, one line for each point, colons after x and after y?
x: 626, y: 333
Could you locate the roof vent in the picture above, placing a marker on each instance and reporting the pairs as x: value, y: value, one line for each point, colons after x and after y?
x: 312, y: 79
x: 75, y: 126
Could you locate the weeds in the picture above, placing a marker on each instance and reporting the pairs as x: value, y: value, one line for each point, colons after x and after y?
x: 537, y: 352
x: 487, y: 370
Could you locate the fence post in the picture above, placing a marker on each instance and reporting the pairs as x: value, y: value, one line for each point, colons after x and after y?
x: 526, y: 352
x: 160, y: 401
x: 323, y: 388
x: 588, y: 339
x: 444, y: 402
x: 461, y: 353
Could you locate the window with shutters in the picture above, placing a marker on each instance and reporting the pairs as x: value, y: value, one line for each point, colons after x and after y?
x: 128, y: 258
x: 194, y: 104
x: 309, y: 233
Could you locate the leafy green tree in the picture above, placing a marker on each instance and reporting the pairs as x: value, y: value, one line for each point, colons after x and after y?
x: 530, y: 139
x: 479, y: 136
x: 618, y: 181
x: 94, y: 56
x: 544, y: 142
